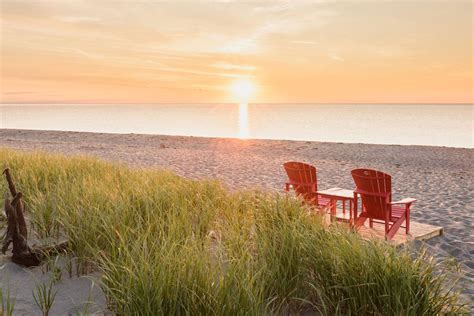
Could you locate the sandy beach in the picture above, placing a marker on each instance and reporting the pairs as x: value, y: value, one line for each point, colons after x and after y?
x: 439, y: 177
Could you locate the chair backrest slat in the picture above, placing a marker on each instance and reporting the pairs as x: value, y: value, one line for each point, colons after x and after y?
x: 374, y: 184
x: 303, y: 174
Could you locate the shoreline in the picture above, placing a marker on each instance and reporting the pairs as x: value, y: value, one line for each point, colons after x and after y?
x: 231, y: 138
x: 440, y: 178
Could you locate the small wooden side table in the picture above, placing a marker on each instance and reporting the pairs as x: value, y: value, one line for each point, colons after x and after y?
x: 343, y: 195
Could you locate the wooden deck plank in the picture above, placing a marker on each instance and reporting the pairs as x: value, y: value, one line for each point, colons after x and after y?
x: 418, y: 231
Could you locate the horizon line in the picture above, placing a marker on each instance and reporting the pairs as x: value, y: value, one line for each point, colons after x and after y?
x: 201, y: 103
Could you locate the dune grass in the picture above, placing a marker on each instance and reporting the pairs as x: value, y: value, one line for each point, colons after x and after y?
x: 168, y: 245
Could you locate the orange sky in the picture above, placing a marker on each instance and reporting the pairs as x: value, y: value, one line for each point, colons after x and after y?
x: 146, y: 51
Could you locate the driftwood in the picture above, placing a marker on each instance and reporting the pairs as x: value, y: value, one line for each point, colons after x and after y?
x: 17, y: 232
x: 19, y: 208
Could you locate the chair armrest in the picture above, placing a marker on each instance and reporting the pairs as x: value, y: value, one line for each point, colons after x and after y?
x: 362, y: 192
x: 300, y: 184
x: 404, y: 201
x: 291, y: 183
x: 297, y: 185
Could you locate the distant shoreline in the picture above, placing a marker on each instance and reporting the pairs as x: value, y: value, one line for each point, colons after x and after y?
x: 230, y: 138
x: 203, y: 103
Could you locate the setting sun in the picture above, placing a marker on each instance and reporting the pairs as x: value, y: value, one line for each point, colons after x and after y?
x: 243, y: 89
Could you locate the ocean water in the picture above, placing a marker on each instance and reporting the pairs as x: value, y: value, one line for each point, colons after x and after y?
x: 434, y: 124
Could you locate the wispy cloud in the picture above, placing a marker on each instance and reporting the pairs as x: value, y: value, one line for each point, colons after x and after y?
x: 304, y: 42
x: 18, y: 92
x: 274, y: 7
x: 336, y: 57
x: 78, y: 19
x: 80, y: 52
x: 205, y: 73
x: 228, y: 66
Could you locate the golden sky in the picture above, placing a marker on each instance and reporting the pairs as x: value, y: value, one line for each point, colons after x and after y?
x: 195, y: 51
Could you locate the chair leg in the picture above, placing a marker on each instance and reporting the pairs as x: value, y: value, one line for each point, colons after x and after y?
x: 395, y: 226
x: 360, y: 220
x: 333, y: 210
x: 371, y: 223
x: 350, y: 213
x: 407, y: 220
x: 387, y: 229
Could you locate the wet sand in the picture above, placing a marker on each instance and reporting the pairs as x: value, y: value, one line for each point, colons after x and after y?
x: 439, y: 177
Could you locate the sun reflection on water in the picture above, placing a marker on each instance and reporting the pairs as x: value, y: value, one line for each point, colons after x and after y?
x: 243, y: 121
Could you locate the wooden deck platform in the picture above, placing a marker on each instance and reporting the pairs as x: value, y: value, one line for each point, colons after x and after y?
x: 418, y: 231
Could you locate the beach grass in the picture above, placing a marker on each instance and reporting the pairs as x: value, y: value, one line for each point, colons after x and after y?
x: 169, y: 245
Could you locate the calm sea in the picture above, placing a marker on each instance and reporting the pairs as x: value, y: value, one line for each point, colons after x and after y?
x: 439, y: 125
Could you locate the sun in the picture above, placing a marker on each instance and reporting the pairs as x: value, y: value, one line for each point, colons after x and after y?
x: 243, y: 89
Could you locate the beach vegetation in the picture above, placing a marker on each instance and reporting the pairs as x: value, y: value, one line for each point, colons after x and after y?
x: 44, y: 296
x: 7, y: 306
x: 166, y: 245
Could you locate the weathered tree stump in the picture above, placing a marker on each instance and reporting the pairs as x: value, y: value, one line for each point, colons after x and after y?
x: 17, y: 232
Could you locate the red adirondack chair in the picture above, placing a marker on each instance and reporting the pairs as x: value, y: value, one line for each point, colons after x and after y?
x: 375, y: 190
x: 302, y: 178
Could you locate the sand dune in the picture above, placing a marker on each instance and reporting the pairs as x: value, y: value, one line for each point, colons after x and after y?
x: 439, y: 177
